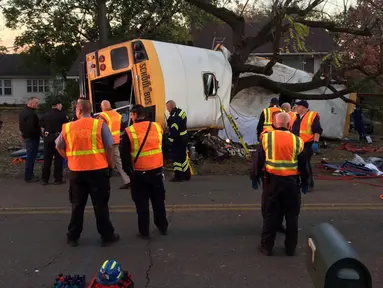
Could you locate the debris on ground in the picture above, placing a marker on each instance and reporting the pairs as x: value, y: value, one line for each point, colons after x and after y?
x: 209, y: 146
x: 212, y: 156
x: 10, y: 138
x: 355, y: 148
x: 356, y: 167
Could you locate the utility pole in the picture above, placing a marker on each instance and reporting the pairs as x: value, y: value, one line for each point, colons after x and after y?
x: 103, y: 23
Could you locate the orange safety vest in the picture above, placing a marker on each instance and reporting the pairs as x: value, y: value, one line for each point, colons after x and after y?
x: 293, y: 117
x: 84, y: 146
x: 113, y: 120
x: 267, y: 130
x: 268, y: 113
x: 282, y: 149
x: 305, y: 130
x: 151, y: 154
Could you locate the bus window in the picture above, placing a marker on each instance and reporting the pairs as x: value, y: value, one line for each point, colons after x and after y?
x: 117, y: 89
x: 119, y: 57
x: 139, y: 52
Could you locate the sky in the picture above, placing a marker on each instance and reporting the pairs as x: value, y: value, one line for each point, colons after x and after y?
x: 7, y: 36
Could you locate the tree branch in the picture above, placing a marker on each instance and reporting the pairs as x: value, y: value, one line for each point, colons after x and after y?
x: 280, y: 13
x: 248, y: 68
x: 362, y: 70
x: 293, y: 90
x: 277, y: 87
x: 331, y: 26
x: 303, y: 12
x: 227, y: 16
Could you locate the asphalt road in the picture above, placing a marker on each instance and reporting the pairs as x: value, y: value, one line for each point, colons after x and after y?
x: 214, y: 231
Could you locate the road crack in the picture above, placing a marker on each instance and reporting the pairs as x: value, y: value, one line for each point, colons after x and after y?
x: 53, y: 260
x: 29, y: 274
x: 150, y: 254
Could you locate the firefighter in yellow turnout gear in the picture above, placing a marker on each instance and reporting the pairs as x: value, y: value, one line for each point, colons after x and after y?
x: 178, y: 139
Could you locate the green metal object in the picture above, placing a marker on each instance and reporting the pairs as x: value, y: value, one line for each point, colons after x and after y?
x: 332, y: 262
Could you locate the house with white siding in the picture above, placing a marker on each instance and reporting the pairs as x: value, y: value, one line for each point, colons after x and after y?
x: 20, y: 79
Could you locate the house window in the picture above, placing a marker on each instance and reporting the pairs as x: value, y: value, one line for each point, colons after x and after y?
x: 308, y: 65
x: 37, y: 86
x: 5, y: 87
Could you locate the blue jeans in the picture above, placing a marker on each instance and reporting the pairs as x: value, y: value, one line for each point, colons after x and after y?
x: 32, y: 147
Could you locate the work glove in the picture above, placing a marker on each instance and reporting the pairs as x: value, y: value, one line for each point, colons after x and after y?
x: 305, y: 189
x: 315, y: 147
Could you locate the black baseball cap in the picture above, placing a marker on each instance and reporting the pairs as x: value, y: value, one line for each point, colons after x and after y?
x: 274, y: 101
x: 303, y: 103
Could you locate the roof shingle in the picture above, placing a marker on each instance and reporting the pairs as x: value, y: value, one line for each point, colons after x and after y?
x: 17, y: 65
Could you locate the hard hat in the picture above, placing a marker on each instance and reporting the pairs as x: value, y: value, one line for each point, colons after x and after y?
x: 110, y: 273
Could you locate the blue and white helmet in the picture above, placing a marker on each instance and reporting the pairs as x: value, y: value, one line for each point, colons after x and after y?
x: 110, y: 273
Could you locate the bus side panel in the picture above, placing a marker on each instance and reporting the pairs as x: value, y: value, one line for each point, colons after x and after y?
x: 212, y: 62
x: 154, y: 91
x: 183, y: 68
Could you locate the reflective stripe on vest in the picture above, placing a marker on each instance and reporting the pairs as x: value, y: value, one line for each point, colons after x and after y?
x: 305, y: 131
x: 114, y: 123
x: 267, y: 130
x: 282, y: 149
x: 84, y: 146
x: 94, y: 150
x: 293, y: 117
x: 268, y: 113
x: 151, y: 154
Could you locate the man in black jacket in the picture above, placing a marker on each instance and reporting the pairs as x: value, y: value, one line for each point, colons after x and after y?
x: 30, y: 131
x: 52, y: 122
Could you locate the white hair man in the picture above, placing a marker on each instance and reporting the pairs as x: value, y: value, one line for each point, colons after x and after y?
x: 280, y: 155
x: 113, y: 120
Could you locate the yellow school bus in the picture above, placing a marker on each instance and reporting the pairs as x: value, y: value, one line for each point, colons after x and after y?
x: 150, y: 73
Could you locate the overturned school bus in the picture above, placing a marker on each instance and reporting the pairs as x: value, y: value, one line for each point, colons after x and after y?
x: 150, y: 73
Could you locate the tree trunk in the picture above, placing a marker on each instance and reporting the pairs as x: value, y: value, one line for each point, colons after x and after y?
x: 103, y: 23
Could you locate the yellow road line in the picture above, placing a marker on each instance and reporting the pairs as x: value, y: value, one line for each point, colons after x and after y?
x: 195, y: 208
x: 223, y: 205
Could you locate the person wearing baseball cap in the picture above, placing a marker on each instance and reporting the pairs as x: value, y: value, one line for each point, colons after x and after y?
x: 52, y: 122
x: 266, y: 117
x: 307, y: 126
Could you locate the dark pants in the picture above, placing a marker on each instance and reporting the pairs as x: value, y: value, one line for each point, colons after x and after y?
x: 280, y: 198
x: 308, y: 152
x: 32, y: 147
x: 50, y: 151
x: 149, y: 185
x: 97, y: 184
x: 180, y: 162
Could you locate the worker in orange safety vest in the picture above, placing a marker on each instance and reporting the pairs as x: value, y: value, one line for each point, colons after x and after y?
x: 270, y: 128
x: 265, y: 119
x: 307, y: 126
x: 142, y: 158
x: 113, y: 120
x: 286, y: 107
x: 279, y: 162
x: 88, y: 145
